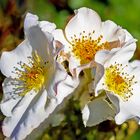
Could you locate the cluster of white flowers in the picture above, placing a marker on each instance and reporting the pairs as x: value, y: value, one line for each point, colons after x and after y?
x: 99, y: 73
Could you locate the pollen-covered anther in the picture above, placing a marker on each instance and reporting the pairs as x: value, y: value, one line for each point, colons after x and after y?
x: 85, y: 46
x: 31, y: 76
x: 119, y: 82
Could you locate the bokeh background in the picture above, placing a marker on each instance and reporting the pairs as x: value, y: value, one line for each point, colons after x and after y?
x: 126, y: 13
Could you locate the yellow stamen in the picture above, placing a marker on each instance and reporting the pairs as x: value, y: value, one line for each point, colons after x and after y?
x: 118, y: 82
x: 32, y: 77
x: 85, y: 47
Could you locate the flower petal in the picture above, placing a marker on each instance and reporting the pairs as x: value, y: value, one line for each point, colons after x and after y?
x: 34, y: 115
x: 39, y: 35
x: 10, y: 123
x: 97, y: 111
x: 65, y: 88
x: 86, y: 20
x: 8, y: 102
x: 118, y: 55
x: 41, y: 110
x: 129, y: 109
x: 100, y: 86
x: 39, y: 41
x: 135, y: 63
x: 110, y: 31
x: 9, y: 60
x: 59, y: 35
x: 30, y: 21
x: 58, y: 76
x: 47, y: 26
x: 27, y: 115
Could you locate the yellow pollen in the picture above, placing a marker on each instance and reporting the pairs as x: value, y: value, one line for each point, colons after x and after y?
x: 118, y: 82
x: 32, y: 77
x: 85, y: 47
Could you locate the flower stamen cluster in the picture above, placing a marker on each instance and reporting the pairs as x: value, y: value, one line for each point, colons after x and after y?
x: 85, y: 46
x: 118, y: 82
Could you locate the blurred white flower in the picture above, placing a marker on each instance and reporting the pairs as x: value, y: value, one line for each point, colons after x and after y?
x: 85, y: 34
x: 35, y: 83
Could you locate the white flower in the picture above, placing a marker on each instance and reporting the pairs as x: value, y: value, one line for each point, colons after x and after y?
x: 100, y: 108
x: 85, y: 34
x: 36, y: 84
x: 121, y: 81
x: 97, y: 111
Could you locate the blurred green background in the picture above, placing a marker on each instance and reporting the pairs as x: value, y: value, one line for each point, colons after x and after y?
x: 126, y: 13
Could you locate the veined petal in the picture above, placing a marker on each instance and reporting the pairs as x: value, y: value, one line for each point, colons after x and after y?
x: 110, y: 31
x: 65, y: 88
x: 30, y: 21
x: 73, y: 64
x: 125, y: 36
x: 10, y: 123
x: 8, y: 101
x: 34, y: 115
x: 59, y: 35
x: 97, y: 111
x: 58, y: 76
x: 121, y: 81
x: 129, y: 109
x: 39, y: 42
x: 124, y: 54
x: 99, y: 86
x: 119, y: 55
x: 98, y: 73
x: 47, y: 26
x: 86, y: 20
x: 9, y: 60
x: 39, y: 35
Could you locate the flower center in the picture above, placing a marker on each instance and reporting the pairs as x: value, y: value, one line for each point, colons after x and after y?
x: 32, y: 75
x: 85, y: 47
x: 119, y: 82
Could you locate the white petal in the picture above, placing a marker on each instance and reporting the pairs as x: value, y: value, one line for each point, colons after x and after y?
x: 39, y: 41
x: 122, y: 117
x: 102, y: 56
x: 10, y: 59
x: 115, y: 33
x: 30, y: 21
x: 8, y: 102
x: 34, y: 115
x: 59, y: 35
x: 66, y: 88
x: 85, y: 115
x: 39, y: 35
x: 99, y: 86
x: 38, y: 115
x: 135, y: 63
x: 47, y: 26
x: 11, y: 124
x: 73, y: 64
x: 99, y: 71
x: 78, y: 69
x: 114, y: 99
x: 126, y: 109
x: 118, y: 55
x: 110, y: 30
x: 97, y: 111
x: 125, y: 36
x: 58, y: 76
x: 86, y: 20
